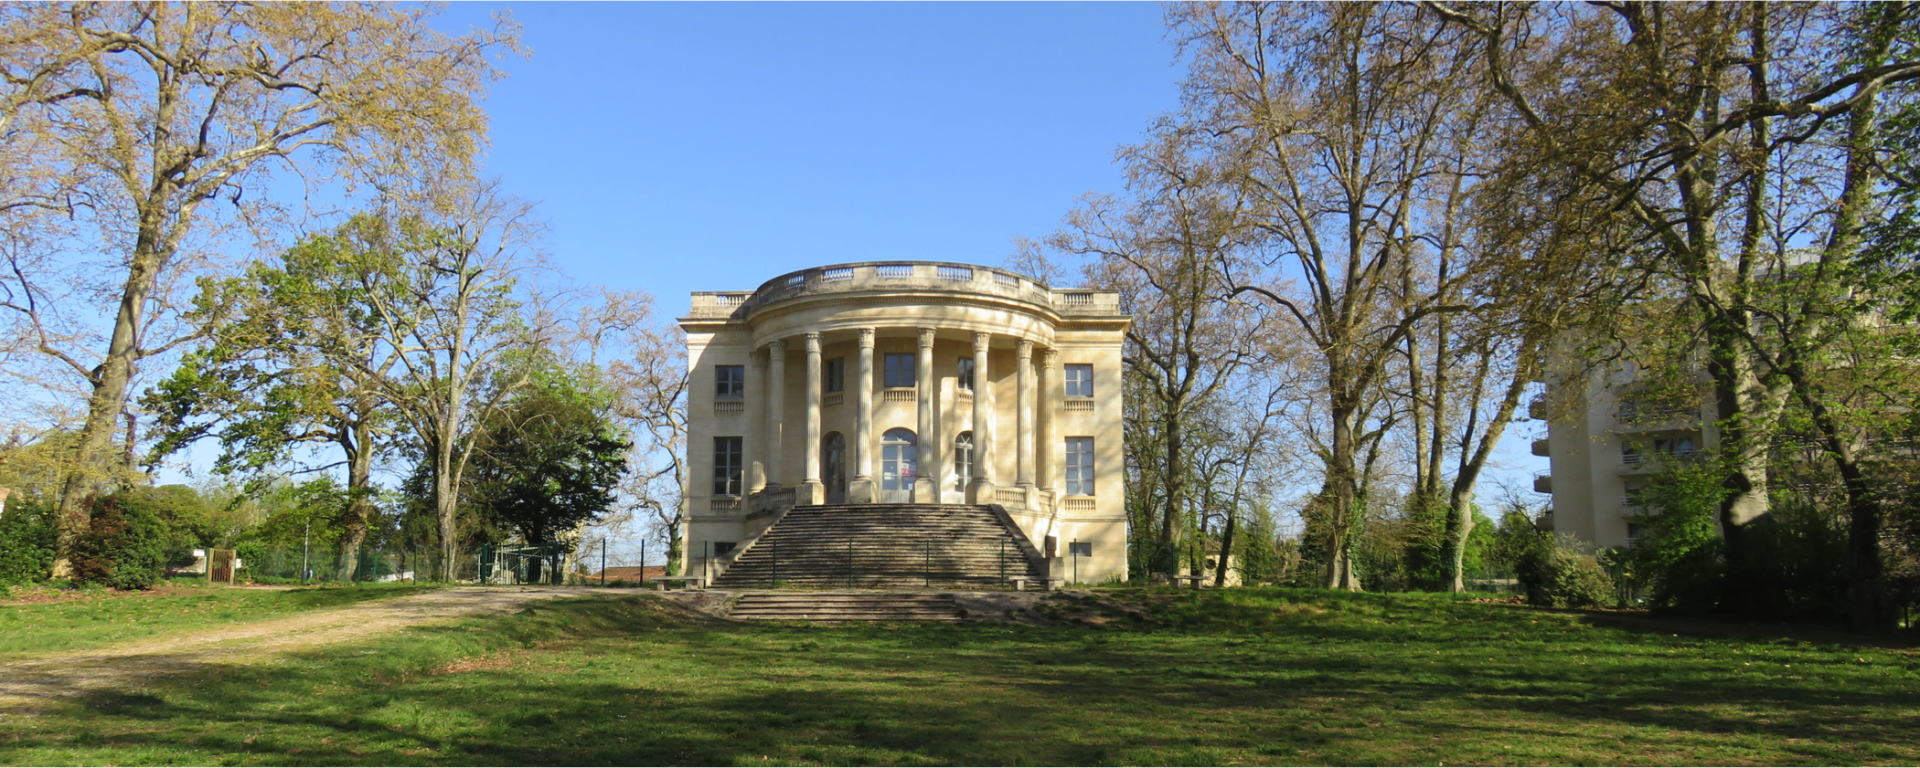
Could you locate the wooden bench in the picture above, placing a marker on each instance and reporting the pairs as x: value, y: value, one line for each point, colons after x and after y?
x: 660, y: 582
x: 1046, y: 583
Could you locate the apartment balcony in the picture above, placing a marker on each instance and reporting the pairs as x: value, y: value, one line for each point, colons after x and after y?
x: 1540, y: 448
x: 1543, y: 483
x: 1537, y: 408
x: 1638, y: 417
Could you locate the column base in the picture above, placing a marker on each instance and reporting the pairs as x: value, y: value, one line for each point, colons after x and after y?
x: 925, y: 492
x: 811, y: 493
x: 860, y: 490
x: 981, y: 492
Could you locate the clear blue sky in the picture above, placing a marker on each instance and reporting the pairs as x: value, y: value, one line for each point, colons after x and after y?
x: 681, y: 147
x: 710, y: 146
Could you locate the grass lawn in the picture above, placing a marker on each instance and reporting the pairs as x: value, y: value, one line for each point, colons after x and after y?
x: 108, y: 618
x: 1236, y: 677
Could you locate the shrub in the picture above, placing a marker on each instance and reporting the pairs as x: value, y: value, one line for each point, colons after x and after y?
x: 28, y: 542
x: 124, y: 547
x: 1557, y: 575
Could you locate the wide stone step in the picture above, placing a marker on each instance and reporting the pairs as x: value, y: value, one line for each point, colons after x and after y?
x: 846, y: 607
x: 881, y: 545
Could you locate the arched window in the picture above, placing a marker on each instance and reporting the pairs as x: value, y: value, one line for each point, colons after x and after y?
x: 899, y: 460
x: 963, y: 461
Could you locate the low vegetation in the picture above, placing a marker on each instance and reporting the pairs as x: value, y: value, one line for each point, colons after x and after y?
x: 1131, y: 676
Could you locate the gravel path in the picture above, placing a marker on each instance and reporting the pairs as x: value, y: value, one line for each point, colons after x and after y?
x: 35, y: 678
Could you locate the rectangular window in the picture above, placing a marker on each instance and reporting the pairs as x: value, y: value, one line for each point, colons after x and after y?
x: 729, y: 382
x: 1081, y: 548
x: 899, y: 370
x: 1079, y: 381
x: 836, y: 375
x: 726, y: 466
x: 966, y: 374
x: 1080, y: 466
x: 724, y: 548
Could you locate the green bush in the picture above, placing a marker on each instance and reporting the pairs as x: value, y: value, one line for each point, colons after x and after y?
x: 124, y: 547
x: 1558, y: 576
x: 27, y: 542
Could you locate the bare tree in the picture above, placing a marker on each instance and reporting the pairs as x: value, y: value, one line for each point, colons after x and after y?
x: 455, y: 301
x: 1162, y: 252
x: 132, y: 117
x: 1342, y: 120
x: 645, y: 360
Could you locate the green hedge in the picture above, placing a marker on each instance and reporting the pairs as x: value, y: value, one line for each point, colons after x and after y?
x: 27, y: 542
x: 125, y: 547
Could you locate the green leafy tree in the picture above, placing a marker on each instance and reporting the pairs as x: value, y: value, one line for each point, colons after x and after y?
x: 548, y: 462
x: 293, y: 357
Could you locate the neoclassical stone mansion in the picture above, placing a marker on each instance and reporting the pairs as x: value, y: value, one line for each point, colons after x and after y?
x: 872, y: 392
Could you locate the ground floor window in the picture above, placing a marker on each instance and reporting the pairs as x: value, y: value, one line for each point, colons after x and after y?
x: 899, y: 460
x: 727, y: 452
x: 1080, y: 548
x: 963, y: 460
x: 1080, y: 466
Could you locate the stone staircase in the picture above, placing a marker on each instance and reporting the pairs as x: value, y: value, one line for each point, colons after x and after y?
x: 884, y: 546
x: 845, y: 606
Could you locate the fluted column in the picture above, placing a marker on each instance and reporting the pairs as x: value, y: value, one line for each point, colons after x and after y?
x: 812, y: 491
x: 926, y: 489
x: 1024, y: 472
x: 981, y: 490
x: 776, y: 411
x: 755, y: 444
x: 860, y: 491
x: 1049, y: 415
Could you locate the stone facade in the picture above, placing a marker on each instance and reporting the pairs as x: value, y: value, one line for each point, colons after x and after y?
x: 908, y: 382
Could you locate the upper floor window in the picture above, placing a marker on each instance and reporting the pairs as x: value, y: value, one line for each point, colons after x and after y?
x: 966, y: 374
x: 1079, y: 466
x: 835, y: 375
x: 729, y: 382
x: 899, y: 370
x: 1079, y: 381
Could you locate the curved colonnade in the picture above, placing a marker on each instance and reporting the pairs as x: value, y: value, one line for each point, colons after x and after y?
x: 908, y: 382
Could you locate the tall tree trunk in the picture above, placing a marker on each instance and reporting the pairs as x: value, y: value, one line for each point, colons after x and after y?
x: 1339, y: 566
x: 89, y: 470
x: 359, y: 447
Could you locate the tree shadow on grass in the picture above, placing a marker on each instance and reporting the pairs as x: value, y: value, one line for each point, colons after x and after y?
x: 635, y: 682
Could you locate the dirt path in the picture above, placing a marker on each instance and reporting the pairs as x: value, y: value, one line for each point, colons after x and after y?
x: 26, y: 680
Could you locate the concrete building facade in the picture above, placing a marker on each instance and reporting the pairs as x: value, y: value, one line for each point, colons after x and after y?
x: 908, y: 383
x: 1604, y: 442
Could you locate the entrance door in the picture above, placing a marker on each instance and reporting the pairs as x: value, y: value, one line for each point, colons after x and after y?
x: 833, y: 456
x: 899, y: 465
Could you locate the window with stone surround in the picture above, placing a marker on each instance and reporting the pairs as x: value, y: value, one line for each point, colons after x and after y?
x: 729, y: 382
x: 899, y: 369
x: 727, y: 455
x: 1079, y: 466
x: 1079, y: 381
x: 834, y: 375
x: 966, y: 374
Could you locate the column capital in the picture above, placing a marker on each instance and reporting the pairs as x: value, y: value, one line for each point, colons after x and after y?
x: 1049, y: 357
x: 926, y: 337
x: 1024, y: 348
x: 981, y: 340
x: 777, y: 349
x: 866, y: 338
x: 813, y: 343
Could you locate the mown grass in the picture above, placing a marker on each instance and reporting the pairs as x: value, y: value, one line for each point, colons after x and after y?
x: 108, y: 619
x: 1240, y: 677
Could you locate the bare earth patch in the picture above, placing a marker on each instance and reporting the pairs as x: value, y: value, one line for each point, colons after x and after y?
x: 36, y: 678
